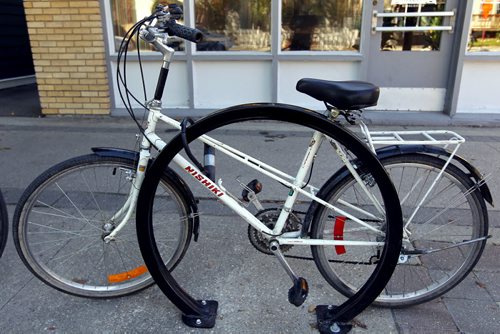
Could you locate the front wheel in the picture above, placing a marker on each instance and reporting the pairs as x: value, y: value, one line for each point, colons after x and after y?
x: 442, y: 242
x: 64, y: 216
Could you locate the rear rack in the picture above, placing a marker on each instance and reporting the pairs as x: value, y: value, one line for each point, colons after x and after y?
x: 419, y: 137
x: 443, y: 138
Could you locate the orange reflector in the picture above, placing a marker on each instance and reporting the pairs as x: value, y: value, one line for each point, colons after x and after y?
x: 120, y: 277
x: 338, y: 233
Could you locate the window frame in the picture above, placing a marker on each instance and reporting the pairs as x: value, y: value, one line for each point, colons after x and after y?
x: 275, y: 52
x: 479, y: 55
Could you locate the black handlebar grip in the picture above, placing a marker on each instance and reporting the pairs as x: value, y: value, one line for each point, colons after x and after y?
x: 190, y: 34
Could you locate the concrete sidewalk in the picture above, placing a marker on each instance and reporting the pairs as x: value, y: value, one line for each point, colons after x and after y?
x: 241, y: 279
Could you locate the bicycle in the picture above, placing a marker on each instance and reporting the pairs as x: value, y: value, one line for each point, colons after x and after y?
x: 58, y: 260
x: 4, y: 224
x: 134, y: 277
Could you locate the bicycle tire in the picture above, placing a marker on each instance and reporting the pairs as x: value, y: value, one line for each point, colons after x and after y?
x: 63, y: 216
x: 453, y: 212
x: 293, y: 116
x: 4, y: 224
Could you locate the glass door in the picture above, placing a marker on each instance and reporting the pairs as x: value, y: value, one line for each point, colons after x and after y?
x: 410, y: 51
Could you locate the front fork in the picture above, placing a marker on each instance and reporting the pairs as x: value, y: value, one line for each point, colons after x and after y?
x: 127, y: 210
x: 123, y: 215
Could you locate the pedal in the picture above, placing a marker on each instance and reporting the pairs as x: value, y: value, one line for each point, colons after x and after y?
x: 253, y: 186
x: 250, y: 191
x: 298, y: 292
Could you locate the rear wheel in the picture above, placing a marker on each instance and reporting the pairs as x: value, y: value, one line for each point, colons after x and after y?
x: 64, y: 216
x: 435, y: 257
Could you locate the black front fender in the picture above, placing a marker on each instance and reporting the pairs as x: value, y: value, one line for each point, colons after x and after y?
x: 115, y: 152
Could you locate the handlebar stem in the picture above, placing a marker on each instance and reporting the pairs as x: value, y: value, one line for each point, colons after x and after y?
x: 159, y: 43
x: 165, y: 50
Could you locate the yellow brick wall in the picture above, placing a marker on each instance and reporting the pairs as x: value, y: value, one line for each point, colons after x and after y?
x: 67, y: 42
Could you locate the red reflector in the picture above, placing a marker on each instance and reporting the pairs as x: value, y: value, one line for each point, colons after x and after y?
x: 338, y: 233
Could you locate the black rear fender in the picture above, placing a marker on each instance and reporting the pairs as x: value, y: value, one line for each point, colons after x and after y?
x: 395, y: 150
x: 473, y: 172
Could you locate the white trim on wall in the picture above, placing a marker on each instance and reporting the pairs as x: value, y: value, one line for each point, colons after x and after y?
x: 18, y: 81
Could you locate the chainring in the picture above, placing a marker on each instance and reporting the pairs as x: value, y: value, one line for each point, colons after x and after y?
x: 269, y: 217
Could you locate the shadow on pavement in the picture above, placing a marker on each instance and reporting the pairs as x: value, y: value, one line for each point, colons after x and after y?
x: 20, y: 101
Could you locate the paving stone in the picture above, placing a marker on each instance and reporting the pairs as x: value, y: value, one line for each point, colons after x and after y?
x: 490, y: 282
x: 470, y: 288
x: 411, y: 330
x: 489, y: 260
x: 429, y: 317
x: 474, y: 316
x: 494, y: 217
x: 251, y: 287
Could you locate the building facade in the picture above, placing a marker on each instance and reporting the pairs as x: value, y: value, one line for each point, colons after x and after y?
x: 436, y: 57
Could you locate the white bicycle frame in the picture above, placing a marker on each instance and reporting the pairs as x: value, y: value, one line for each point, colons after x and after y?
x: 150, y: 138
x: 294, y: 183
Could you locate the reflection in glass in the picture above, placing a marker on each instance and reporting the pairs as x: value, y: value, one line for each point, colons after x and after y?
x: 412, y: 40
x: 321, y: 25
x: 125, y: 13
x: 235, y: 25
x: 485, y: 27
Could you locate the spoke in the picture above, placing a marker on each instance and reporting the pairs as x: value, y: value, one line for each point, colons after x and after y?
x: 439, y: 227
x: 115, y: 247
x: 417, y: 199
x: 439, y: 214
x: 135, y: 259
x: 401, y: 180
x: 411, y: 191
x: 56, y: 229
x: 70, y: 255
x: 65, y: 239
x: 66, y: 215
x: 74, y: 205
x: 92, y: 194
x: 439, y: 192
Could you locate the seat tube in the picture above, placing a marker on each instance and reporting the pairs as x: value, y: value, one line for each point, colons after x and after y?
x: 309, y: 157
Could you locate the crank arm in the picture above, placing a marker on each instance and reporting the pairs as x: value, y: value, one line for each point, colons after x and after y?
x: 297, y: 294
x: 275, y: 248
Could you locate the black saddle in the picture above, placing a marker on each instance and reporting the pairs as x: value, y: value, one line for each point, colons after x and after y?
x: 345, y: 95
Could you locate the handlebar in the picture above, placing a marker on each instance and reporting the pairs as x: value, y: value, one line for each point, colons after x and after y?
x: 190, y: 34
x: 167, y: 15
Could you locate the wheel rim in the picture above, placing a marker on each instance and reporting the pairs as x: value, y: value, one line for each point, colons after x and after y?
x: 64, y: 226
x: 446, y: 217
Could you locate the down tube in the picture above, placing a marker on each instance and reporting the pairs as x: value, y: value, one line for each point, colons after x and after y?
x: 220, y: 194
